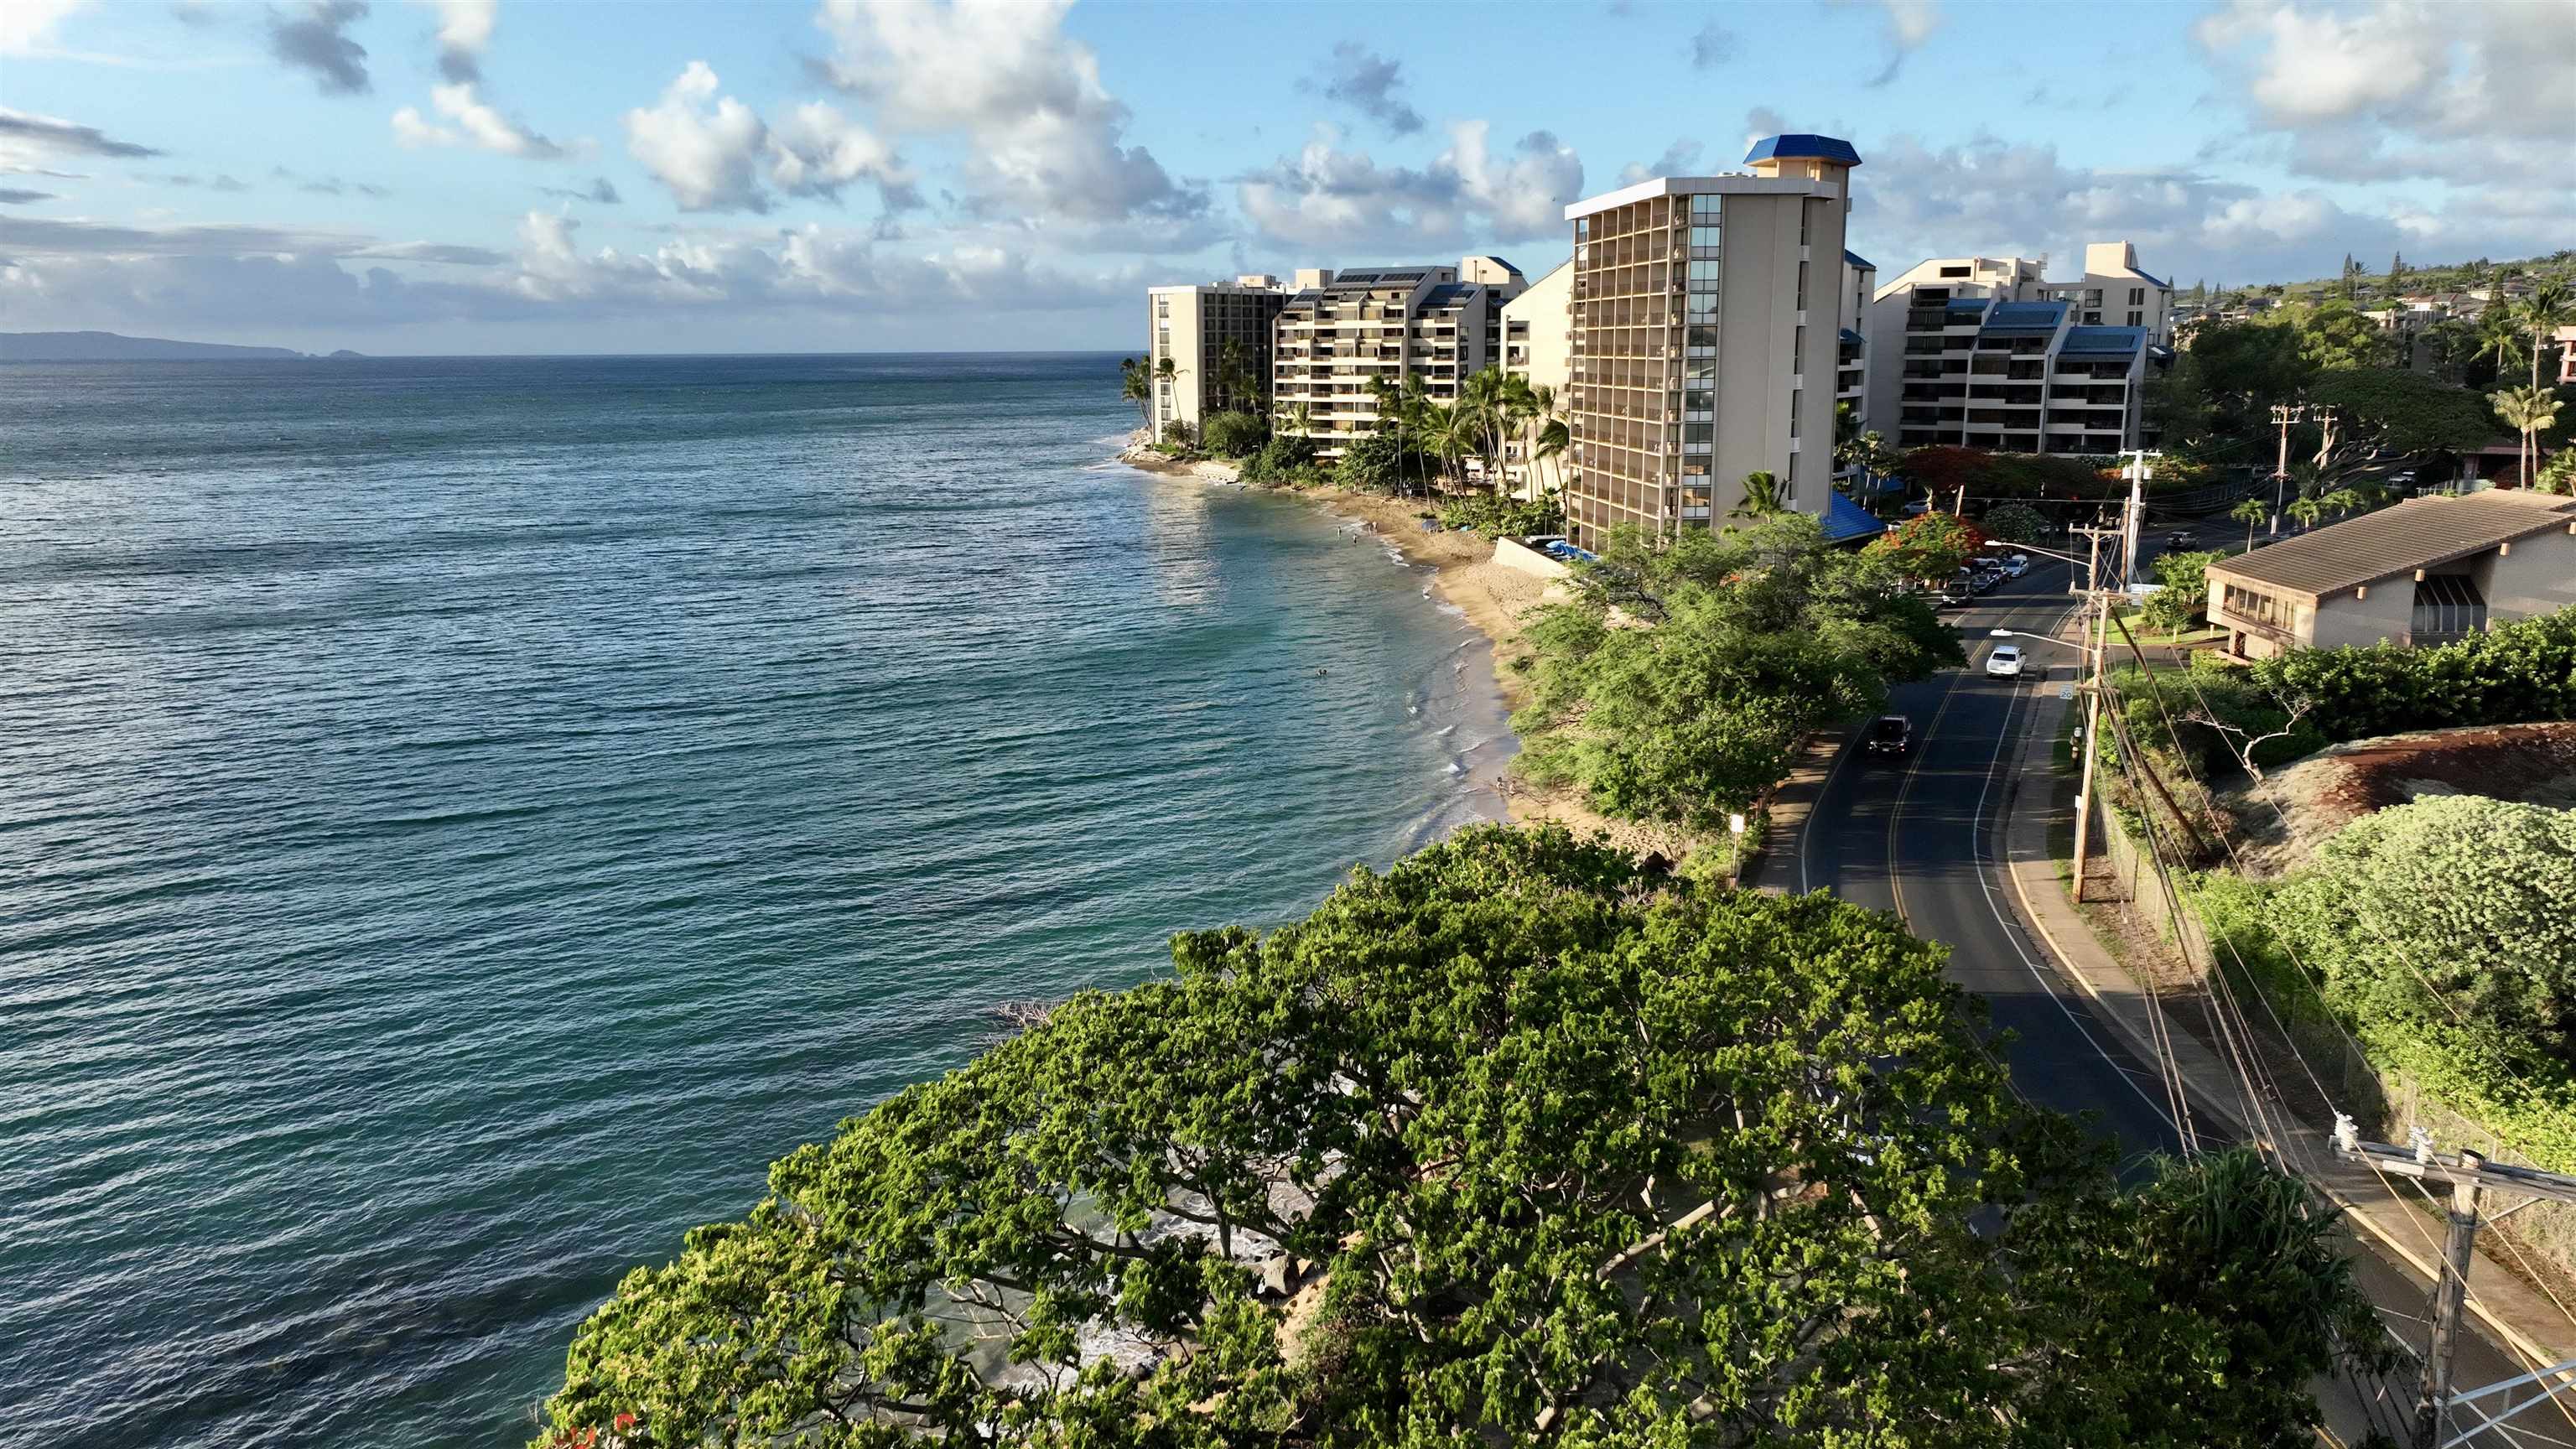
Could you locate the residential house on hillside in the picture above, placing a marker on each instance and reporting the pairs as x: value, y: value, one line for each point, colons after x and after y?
x: 2424, y: 572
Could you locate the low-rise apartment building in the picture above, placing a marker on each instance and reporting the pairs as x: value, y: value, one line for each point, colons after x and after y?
x: 1341, y: 332
x: 1705, y: 339
x: 2424, y: 572
x: 1190, y: 327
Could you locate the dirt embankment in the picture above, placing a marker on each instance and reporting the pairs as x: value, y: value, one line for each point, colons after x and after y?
x: 2336, y: 786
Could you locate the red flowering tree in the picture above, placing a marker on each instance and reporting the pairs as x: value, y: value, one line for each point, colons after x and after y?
x: 1931, y: 547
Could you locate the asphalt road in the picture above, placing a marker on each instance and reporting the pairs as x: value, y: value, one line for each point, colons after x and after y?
x: 1912, y: 835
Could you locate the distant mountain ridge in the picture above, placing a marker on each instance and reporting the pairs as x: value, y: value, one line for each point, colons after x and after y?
x: 114, y: 347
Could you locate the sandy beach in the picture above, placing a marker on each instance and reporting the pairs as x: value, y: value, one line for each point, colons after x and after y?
x: 1496, y: 600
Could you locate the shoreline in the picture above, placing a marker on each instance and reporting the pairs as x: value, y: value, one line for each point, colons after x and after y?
x: 1495, y: 601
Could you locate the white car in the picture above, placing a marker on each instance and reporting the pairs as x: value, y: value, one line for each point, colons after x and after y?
x: 2004, y: 662
x: 2016, y: 566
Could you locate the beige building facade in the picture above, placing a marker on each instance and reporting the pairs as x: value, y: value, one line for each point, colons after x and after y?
x: 1704, y: 340
x: 1191, y: 327
x: 2425, y: 572
x: 1341, y: 333
x: 1538, y: 338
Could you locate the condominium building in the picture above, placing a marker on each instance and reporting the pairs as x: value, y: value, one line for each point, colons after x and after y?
x: 1537, y: 348
x: 1191, y: 326
x: 2115, y: 293
x: 1340, y: 333
x: 1851, y: 352
x: 1983, y: 352
x: 1705, y: 339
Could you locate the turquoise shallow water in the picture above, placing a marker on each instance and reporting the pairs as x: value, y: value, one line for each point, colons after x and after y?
x: 459, y: 820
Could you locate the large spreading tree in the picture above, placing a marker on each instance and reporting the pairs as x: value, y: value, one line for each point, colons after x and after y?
x: 1518, y: 1144
x: 1678, y: 683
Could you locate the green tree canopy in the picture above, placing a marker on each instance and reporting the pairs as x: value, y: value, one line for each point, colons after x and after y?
x: 1679, y: 682
x: 2247, y: 366
x: 2335, y: 336
x: 1580, y: 1155
x: 2405, y: 410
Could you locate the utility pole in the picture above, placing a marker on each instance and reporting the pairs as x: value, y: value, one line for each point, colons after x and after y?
x: 2283, y: 414
x: 2469, y: 1175
x: 2139, y: 473
x: 2096, y: 614
x: 1959, y: 508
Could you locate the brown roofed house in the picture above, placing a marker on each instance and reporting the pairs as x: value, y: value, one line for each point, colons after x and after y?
x: 2424, y: 572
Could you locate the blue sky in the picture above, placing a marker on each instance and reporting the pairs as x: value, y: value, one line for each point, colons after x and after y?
x: 571, y: 176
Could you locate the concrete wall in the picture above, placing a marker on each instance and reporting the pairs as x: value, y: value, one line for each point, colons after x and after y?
x: 2386, y: 612
x: 2537, y: 576
x: 1760, y: 326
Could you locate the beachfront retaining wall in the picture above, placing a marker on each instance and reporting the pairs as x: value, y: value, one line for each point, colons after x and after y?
x: 1519, y: 557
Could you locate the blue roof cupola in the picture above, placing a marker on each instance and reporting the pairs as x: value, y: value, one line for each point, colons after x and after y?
x: 1801, y: 146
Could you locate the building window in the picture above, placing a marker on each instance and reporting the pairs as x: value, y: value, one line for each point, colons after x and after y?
x: 1954, y: 271
x: 1806, y: 211
x: 1798, y: 350
x: 2137, y: 319
x: 1802, y: 286
x: 2137, y: 296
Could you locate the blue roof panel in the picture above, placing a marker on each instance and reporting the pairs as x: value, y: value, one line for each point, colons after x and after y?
x: 1845, y: 520
x: 2105, y: 341
x: 1855, y: 259
x: 2027, y: 314
x: 1801, y: 145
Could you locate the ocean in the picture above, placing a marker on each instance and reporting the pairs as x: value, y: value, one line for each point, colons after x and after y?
x: 461, y: 819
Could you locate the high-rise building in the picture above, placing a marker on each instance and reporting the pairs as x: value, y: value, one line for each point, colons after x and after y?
x: 1851, y: 353
x: 1706, y: 338
x: 1341, y: 333
x: 1192, y: 328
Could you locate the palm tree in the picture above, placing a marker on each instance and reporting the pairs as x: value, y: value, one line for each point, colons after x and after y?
x: 1136, y: 385
x: 1761, y: 495
x: 1553, y: 438
x: 2499, y: 337
x: 2549, y: 307
x: 2307, y: 509
x: 2529, y: 411
x: 2249, y: 511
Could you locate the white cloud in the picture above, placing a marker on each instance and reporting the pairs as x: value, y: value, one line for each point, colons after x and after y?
x: 475, y: 124
x: 2404, y: 89
x: 716, y: 154
x: 1908, y: 23
x: 704, y: 147
x: 26, y: 25
x: 1044, y: 136
x: 1327, y: 198
x: 1524, y: 196
x: 464, y: 32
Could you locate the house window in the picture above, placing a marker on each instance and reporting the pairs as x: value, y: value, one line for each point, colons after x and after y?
x: 2137, y: 319
x: 2137, y: 296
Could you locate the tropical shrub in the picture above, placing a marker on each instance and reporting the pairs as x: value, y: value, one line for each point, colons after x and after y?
x: 1233, y: 435
x: 1377, y: 463
x: 2452, y: 907
x: 1180, y: 437
x: 2014, y: 523
x: 1286, y: 458
x: 1503, y: 517
x: 1580, y: 1153
x: 2511, y: 674
x: 2184, y: 599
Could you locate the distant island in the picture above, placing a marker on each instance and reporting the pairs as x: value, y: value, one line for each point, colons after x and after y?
x: 111, y: 347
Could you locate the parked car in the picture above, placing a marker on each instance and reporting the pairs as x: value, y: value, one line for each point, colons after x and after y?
x: 1889, y: 734
x: 2403, y: 477
x: 1981, y: 565
x: 1985, y: 580
x: 2182, y: 538
x: 2004, y: 662
x: 2016, y: 565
